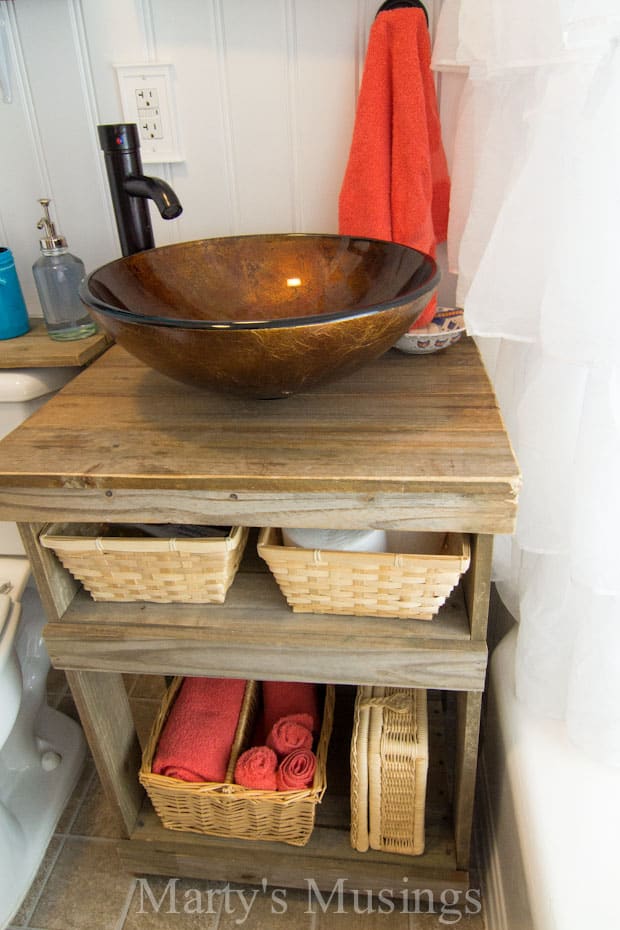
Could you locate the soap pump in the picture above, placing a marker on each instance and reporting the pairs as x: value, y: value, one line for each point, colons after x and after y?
x: 57, y: 274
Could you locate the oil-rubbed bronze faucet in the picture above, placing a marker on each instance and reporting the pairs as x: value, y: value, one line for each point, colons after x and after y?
x: 131, y: 190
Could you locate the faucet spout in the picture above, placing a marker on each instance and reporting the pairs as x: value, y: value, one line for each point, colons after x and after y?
x: 131, y: 190
x: 156, y: 190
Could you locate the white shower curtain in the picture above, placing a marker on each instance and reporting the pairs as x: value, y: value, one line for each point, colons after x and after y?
x: 535, y: 241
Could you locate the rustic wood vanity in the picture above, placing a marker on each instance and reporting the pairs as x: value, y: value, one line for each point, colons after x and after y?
x: 409, y: 443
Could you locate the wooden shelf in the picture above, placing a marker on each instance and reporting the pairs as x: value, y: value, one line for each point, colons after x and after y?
x: 35, y: 349
x: 328, y: 856
x: 256, y: 634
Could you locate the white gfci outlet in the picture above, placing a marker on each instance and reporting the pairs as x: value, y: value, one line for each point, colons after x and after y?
x: 147, y: 99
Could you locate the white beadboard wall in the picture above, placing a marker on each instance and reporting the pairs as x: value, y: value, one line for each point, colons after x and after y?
x: 265, y: 90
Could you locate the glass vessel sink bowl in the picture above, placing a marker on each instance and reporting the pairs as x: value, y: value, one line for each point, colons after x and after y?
x: 265, y: 315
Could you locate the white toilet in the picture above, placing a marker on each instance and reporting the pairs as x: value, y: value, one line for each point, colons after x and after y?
x: 41, y: 750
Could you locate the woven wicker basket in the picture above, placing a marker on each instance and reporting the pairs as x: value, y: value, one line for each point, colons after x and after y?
x: 229, y: 810
x: 389, y: 767
x: 143, y: 569
x: 374, y: 584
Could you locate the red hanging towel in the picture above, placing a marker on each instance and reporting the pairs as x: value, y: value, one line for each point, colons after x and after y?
x: 396, y: 185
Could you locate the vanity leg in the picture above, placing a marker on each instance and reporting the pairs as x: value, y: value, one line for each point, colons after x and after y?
x: 477, y: 585
x: 468, y: 708
x: 56, y: 586
x: 105, y: 714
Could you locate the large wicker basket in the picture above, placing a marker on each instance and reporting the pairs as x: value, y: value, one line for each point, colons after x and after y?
x: 389, y: 767
x: 172, y: 570
x: 411, y: 586
x: 230, y: 810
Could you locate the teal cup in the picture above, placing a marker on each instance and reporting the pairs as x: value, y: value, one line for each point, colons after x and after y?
x: 13, y: 313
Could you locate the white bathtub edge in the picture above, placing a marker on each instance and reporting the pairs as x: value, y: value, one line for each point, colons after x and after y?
x: 553, y: 816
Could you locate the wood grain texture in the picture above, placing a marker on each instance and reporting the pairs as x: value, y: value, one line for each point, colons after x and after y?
x: 56, y: 587
x: 255, y: 601
x: 477, y: 586
x: 35, y: 349
x: 326, y: 859
x: 478, y: 510
x: 105, y: 714
x: 468, y: 706
x: 255, y: 634
x: 415, y: 441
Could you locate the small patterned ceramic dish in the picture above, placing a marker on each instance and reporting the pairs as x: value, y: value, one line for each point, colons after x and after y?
x: 446, y: 328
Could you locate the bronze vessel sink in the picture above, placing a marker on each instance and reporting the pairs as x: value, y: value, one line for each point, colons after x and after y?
x: 265, y: 315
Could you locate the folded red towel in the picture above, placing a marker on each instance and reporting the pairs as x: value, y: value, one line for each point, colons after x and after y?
x: 196, y: 740
x: 296, y: 770
x: 283, y: 698
x: 256, y: 768
x: 396, y: 185
x: 289, y: 733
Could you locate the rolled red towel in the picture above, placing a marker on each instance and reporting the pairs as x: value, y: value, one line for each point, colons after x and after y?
x: 290, y: 733
x: 296, y: 770
x: 256, y: 768
x: 197, y: 738
x: 282, y: 698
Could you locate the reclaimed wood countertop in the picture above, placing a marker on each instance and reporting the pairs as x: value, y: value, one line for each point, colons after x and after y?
x: 410, y: 442
x: 35, y: 349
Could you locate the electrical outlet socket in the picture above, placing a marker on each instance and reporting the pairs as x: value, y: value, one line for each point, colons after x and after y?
x: 147, y: 99
x: 150, y: 125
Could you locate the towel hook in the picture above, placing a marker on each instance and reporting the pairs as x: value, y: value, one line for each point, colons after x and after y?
x: 397, y: 4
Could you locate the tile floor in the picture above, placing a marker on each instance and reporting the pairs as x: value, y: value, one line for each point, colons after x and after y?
x: 80, y: 885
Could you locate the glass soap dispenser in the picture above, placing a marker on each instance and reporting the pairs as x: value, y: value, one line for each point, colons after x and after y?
x: 57, y: 274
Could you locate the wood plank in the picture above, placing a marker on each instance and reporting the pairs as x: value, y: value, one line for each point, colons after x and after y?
x: 302, y: 654
x: 468, y: 706
x: 191, y: 424
x: 477, y: 585
x: 35, y: 349
x: 106, y: 717
x: 50, y: 456
x: 56, y: 586
x: 447, y: 506
x: 326, y: 859
x: 255, y: 601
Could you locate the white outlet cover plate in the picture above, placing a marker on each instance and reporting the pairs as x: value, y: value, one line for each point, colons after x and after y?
x: 158, y: 77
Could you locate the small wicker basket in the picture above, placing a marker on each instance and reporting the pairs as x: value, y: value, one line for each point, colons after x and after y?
x: 372, y: 584
x: 144, y: 569
x: 389, y: 768
x: 230, y: 810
